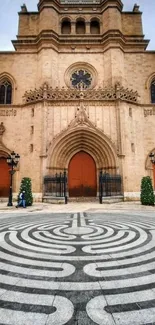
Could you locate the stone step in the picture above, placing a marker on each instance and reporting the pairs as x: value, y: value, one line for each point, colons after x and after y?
x: 112, y: 199
x: 3, y: 199
x: 59, y: 200
x: 83, y: 199
x: 107, y: 200
x: 53, y: 200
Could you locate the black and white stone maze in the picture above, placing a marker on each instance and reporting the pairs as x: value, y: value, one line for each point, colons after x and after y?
x: 77, y: 269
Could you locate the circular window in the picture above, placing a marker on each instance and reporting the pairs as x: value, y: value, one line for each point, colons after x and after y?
x: 81, y: 79
x: 81, y: 76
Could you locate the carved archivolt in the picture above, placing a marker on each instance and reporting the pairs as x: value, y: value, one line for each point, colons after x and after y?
x: 3, y: 149
x: 2, y: 129
x: 149, y: 80
x: 148, y: 164
x: 5, y: 75
x: 81, y: 134
x: 101, y: 94
x: 82, y: 138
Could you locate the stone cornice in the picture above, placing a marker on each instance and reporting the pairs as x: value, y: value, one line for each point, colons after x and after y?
x: 74, y: 103
x: 99, y: 4
x: 50, y: 38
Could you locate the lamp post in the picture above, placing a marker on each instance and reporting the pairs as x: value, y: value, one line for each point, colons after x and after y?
x: 152, y: 158
x: 12, y: 161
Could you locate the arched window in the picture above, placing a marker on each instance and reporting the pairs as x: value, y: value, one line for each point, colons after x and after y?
x: 80, y: 27
x: 94, y: 27
x: 153, y: 92
x: 5, y: 92
x: 66, y: 27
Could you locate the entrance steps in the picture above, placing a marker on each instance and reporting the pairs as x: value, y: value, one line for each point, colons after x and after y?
x: 83, y: 199
x: 106, y: 200
x: 112, y: 199
x: 3, y: 199
x: 53, y: 199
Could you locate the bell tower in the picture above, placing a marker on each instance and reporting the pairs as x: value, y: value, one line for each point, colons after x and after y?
x: 74, y: 24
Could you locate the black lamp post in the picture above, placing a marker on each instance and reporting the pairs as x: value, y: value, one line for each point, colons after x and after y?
x: 12, y: 161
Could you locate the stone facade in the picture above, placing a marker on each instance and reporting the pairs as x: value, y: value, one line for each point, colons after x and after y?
x: 48, y: 121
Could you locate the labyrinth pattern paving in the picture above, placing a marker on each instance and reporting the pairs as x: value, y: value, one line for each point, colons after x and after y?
x: 77, y: 269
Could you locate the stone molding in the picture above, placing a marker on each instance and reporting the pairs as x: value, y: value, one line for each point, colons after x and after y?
x: 85, y: 138
x: 2, y: 129
x: 4, y: 151
x: 148, y: 163
x: 149, y: 80
x: 81, y: 118
x: 45, y: 92
x: 131, y: 196
x: 81, y: 66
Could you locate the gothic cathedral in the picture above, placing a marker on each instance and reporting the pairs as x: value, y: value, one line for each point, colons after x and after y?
x: 77, y: 100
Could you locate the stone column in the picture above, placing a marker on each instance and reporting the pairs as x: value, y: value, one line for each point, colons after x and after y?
x: 87, y: 27
x: 73, y: 25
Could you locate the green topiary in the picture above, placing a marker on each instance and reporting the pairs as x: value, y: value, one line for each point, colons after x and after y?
x: 26, y: 186
x: 147, y: 192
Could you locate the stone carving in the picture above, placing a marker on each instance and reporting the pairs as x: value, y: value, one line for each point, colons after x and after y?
x: 81, y: 118
x: 2, y: 129
x: 102, y: 94
x: 2, y: 146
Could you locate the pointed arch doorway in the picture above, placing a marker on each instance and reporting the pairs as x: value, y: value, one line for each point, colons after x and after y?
x: 82, y: 178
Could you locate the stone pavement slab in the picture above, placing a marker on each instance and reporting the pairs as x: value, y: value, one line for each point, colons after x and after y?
x: 77, y: 207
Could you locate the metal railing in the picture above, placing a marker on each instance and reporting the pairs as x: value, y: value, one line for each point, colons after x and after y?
x: 109, y: 185
x: 56, y: 185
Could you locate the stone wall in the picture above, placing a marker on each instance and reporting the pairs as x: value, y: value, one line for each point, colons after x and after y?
x: 49, y: 18
x: 29, y: 71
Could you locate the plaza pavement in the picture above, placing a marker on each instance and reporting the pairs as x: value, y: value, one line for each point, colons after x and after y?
x: 77, y: 264
x: 78, y: 207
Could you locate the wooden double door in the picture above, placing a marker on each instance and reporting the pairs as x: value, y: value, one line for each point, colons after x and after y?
x: 4, y: 178
x: 82, y: 178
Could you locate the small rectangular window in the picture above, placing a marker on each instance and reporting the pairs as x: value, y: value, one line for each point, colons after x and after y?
x: 31, y: 147
x: 32, y: 112
x: 32, y: 129
x: 130, y: 111
x: 133, y: 147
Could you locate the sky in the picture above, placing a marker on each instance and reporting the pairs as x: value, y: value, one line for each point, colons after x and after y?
x: 9, y: 19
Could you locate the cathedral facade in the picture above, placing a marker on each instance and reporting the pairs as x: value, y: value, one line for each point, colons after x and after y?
x: 78, y: 94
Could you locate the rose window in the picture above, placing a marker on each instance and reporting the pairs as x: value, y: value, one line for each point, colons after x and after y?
x: 81, y: 79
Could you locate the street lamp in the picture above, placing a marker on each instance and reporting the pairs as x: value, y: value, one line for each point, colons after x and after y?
x: 12, y: 161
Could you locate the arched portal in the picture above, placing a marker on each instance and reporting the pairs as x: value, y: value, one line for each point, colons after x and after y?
x: 82, y: 178
x: 92, y: 141
x: 4, y: 177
